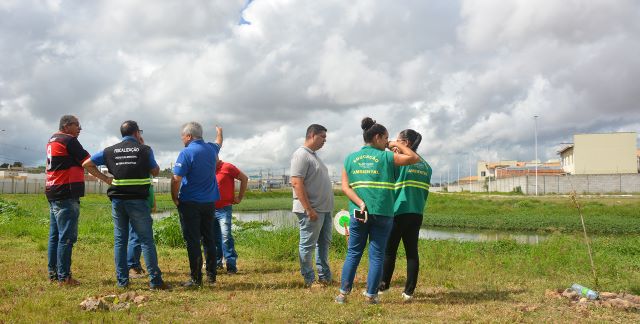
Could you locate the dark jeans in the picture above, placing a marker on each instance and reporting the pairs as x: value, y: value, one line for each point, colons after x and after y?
x: 196, y: 220
x: 407, y: 228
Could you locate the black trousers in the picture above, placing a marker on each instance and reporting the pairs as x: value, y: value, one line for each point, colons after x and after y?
x: 407, y: 228
x: 196, y: 221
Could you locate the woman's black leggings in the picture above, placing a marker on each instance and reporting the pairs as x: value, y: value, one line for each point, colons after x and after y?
x: 407, y: 228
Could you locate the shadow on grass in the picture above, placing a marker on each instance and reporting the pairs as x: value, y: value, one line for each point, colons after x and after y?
x: 466, y: 297
x: 247, y: 286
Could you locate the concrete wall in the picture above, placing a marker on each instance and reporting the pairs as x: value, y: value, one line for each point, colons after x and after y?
x: 605, y: 153
x: 601, y: 183
x: 36, y: 186
x: 596, y: 184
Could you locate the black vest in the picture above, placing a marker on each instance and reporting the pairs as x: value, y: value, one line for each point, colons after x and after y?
x: 128, y: 162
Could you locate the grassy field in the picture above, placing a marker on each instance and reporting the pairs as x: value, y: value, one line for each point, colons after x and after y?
x: 604, y: 215
x: 494, y: 281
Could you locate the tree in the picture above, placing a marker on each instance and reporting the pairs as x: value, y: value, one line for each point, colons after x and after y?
x: 17, y: 164
x: 4, y: 165
x: 167, y: 173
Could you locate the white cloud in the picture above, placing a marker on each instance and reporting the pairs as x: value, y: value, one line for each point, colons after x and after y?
x: 469, y: 75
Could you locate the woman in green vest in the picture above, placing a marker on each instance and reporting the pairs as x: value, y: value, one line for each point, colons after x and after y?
x: 411, y: 192
x: 368, y: 180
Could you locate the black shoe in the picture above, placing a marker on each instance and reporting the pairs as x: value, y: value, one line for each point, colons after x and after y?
x: 232, y: 270
x: 68, y: 282
x: 211, y: 280
x: 192, y: 284
x: 162, y: 286
x: 136, y: 273
x: 219, y: 267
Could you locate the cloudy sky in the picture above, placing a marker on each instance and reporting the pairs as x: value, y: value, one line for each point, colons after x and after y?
x: 468, y: 75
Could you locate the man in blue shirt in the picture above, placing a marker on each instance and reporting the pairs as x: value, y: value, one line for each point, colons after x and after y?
x: 194, y: 191
x: 130, y: 162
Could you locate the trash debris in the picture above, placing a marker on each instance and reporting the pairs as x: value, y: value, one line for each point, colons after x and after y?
x: 622, y: 301
x: 113, y: 302
x: 584, y: 291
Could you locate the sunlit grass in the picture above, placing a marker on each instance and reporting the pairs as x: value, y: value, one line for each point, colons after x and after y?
x: 469, y: 281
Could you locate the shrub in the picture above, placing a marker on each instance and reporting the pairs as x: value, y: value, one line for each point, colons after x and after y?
x: 167, y: 231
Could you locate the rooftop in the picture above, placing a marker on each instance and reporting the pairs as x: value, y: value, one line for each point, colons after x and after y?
x: 565, y: 147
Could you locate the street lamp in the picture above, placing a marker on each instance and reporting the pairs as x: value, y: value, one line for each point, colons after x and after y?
x: 535, y: 132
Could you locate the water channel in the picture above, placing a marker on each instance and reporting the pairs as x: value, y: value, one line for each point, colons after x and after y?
x: 285, y: 218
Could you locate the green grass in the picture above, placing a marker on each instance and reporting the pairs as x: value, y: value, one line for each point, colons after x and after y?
x: 603, y: 215
x: 470, y: 281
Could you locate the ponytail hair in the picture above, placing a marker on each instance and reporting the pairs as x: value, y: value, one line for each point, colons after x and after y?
x: 370, y: 129
x: 414, y: 138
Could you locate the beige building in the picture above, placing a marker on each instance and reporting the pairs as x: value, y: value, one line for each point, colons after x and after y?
x: 600, y: 154
x: 488, y: 169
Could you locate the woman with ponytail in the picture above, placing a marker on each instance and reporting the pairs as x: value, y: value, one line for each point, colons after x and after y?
x: 411, y: 192
x: 368, y: 180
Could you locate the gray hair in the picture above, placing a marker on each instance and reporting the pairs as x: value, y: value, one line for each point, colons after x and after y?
x: 66, y: 120
x: 192, y: 128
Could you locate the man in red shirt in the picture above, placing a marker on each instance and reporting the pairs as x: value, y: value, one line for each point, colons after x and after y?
x: 226, y: 174
x: 64, y: 187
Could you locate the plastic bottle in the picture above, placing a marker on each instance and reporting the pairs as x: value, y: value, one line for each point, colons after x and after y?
x: 584, y: 291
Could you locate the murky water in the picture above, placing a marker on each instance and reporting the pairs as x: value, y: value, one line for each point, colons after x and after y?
x: 285, y: 218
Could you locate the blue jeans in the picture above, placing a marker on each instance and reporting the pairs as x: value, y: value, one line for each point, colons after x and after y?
x: 134, y: 213
x: 63, y: 233
x: 225, y: 245
x: 315, y: 235
x: 196, y: 221
x: 134, y: 250
x: 377, y: 229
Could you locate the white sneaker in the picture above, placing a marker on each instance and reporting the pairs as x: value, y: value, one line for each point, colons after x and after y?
x: 406, y: 297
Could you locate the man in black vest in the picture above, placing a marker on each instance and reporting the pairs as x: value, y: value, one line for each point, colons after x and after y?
x: 131, y: 163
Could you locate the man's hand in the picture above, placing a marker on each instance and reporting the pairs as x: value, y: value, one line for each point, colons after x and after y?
x: 175, y: 187
x: 236, y: 200
x: 313, y: 215
x: 109, y: 180
x: 219, y: 135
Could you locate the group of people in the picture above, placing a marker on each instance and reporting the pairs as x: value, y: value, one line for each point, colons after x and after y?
x: 389, y: 187
x: 202, y: 188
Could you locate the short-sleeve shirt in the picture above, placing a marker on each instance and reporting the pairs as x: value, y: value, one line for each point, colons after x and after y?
x: 306, y: 164
x: 65, y: 174
x: 196, y: 164
x: 371, y: 174
x: 226, y: 173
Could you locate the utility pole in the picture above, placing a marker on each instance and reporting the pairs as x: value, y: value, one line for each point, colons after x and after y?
x: 535, y: 135
x: 448, y: 179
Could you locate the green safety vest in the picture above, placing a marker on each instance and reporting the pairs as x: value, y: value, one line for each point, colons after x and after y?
x: 412, y: 188
x: 371, y: 174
